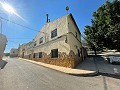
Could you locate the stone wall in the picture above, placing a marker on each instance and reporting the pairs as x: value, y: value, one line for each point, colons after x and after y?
x: 64, y: 60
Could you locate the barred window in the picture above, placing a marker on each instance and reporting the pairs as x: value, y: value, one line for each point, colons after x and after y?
x: 41, y: 40
x: 54, y: 53
x: 35, y: 55
x: 54, y: 33
x: 40, y: 54
x: 78, y: 53
x: 35, y: 43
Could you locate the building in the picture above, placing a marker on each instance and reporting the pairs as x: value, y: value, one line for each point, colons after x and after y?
x: 14, y: 52
x: 3, y: 41
x: 26, y: 50
x: 58, y: 43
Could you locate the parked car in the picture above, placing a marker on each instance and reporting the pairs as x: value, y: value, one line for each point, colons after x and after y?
x: 112, y: 59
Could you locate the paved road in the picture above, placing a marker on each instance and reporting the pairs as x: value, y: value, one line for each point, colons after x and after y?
x: 105, y: 67
x: 22, y: 75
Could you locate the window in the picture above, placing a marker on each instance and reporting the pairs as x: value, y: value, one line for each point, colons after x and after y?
x: 34, y: 55
x: 54, y: 53
x: 35, y: 43
x: 29, y: 55
x: 78, y: 53
x: 54, y: 33
x: 40, y: 54
x: 41, y: 40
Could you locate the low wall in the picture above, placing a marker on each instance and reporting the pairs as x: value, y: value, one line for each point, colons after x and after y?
x: 64, y: 62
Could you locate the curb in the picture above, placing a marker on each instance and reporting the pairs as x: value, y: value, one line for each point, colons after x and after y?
x: 75, y: 72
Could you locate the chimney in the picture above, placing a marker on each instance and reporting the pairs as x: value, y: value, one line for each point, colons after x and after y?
x: 47, y: 18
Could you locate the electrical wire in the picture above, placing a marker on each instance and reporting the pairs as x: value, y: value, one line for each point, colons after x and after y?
x: 18, y: 38
x: 18, y: 24
x: 13, y: 41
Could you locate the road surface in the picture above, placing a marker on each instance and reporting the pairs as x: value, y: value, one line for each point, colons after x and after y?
x: 22, y: 75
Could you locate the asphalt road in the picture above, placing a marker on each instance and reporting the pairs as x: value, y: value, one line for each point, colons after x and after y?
x: 22, y: 75
x: 105, y: 67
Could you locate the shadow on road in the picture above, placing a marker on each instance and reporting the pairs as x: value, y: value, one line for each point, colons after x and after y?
x: 2, y: 64
x: 116, y: 76
x: 107, y: 69
x: 88, y: 65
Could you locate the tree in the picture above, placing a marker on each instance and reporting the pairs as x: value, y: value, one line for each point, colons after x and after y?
x: 6, y: 54
x: 105, y: 28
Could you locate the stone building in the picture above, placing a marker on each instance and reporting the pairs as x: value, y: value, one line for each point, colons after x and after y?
x: 14, y: 52
x: 58, y: 43
x: 3, y: 41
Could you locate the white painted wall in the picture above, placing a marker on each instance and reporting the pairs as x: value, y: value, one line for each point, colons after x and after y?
x: 73, y: 41
x: 64, y: 26
x: 13, y: 52
x: 60, y: 24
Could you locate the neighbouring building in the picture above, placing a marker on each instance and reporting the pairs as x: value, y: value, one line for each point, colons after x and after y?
x: 57, y: 43
x: 3, y: 41
x: 14, y: 52
x: 26, y: 50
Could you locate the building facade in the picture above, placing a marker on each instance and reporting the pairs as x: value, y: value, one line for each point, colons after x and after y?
x: 14, y: 52
x: 57, y: 43
x: 3, y: 41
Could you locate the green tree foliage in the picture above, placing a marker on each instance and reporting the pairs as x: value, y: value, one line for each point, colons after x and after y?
x: 6, y: 54
x: 105, y: 28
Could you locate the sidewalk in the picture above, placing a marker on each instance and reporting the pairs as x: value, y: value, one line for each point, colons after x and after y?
x: 86, y: 68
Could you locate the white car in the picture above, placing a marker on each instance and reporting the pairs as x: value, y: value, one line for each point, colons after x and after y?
x: 114, y: 59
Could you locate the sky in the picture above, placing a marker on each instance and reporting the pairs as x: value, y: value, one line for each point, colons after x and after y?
x: 32, y: 13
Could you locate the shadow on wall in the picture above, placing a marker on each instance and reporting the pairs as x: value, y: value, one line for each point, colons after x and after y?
x: 2, y: 64
x: 70, y: 60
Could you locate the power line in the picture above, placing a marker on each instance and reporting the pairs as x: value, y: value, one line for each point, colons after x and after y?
x: 13, y: 41
x: 18, y: 24
x: 19, y: 38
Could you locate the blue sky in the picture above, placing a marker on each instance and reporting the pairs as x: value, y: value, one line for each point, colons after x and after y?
x: 34, y: 12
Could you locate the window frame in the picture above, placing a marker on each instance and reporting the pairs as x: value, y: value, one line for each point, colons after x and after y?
x: 40, y: 55
x: 54, y: 53
x: 33, y: 55
x: 35, y: 43
x: 78, y: 53
x: 41, y: 40
x: 54, y: 33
